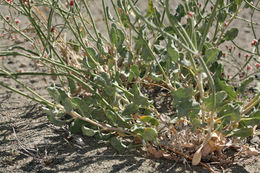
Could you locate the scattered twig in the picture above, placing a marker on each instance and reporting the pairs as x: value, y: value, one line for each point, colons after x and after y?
x: 28, y: 153
x: 47, y: 160
x: 190, y: 158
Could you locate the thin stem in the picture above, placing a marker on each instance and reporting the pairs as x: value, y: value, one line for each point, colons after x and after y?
x: 249, y: 59
x: 79, y: 38
x: 33, y: 74
x: 91, y: 18
x: 251, y: 104
x: 102, y: 126
x: 16, y: 29
x: 105, y: 14
x: 158, y: 63
x: 26, y: 95
x: 206, y: 30
x: 228, y: 23
x: 181, y: 32
x: 245, y: 20
x: 252, y: 25
x: 160, y: 30
x: 26, y: 87
x: 244, y: 50
x: 252, y: 6
x: 201, y: 90
x: 84, y: 24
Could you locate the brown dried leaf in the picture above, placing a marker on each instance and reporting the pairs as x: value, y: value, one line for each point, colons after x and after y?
x: 53, y: 77
x: 207, y: 149
x: 154, y: 153
x: 158, y: 154
x: 251, y: 151
x: 173, y: 130
x: 197, y: 157
x: 188, y: 145
x: 168, y: 156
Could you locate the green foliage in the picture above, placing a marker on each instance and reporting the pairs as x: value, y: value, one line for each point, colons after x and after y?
x: 211, y: 55
x: 107, y: 81
x: 117, y: 144
x: 51, y: 115
x: 231, y: 34
x: 116, y: 36
x: 88, y: 131
x: 220, y: 97
x: 185, y: 103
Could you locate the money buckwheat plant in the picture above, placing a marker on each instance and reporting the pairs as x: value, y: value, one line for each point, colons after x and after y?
x: 150, y: 77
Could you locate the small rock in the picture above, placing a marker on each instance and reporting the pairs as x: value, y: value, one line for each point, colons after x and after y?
x: 22, y: 65
x: 255, y: 140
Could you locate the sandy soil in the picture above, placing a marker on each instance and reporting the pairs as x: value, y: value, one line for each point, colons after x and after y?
x: 45, y: 148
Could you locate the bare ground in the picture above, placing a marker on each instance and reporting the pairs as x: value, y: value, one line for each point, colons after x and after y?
x: 29, y: 143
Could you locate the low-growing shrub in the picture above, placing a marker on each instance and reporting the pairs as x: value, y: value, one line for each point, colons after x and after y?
x: 108, y: 83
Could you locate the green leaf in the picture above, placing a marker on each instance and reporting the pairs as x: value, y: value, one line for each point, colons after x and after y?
x: 182, y: 94
x: 141, y: 100
x: 180, y: 12
x: 222, y: 15
x: 87, y: 131
x: 238, y: 2
x: 232, y: 7
x: 231, y: 34
x: 125, y: 19
x: 244, y: 84
x: 150, y: 8
x: 138, y: 129
x: 103, y: 136
x: 68, y: 105
x: 106, y: 77
x: 82, y: 32
x: 130, y: 109
x: 189, y: 108
x: 196, y: 122
x: 130, y: 77
x: 99, y: 114
x: 244, y: 132
x: 82, y: 106
x: 117, y: 119
x: 230, y: 112
x: 169, y: 29
x: 172, y: 52
x: 54, y: 93
x: 116, y: 36
x: 51, y: 116
x: 72, y: 85
x: 252, y: 120
x: 76, y: 126
x: 93, y: 54
x: 149, y: 119
x: 220, y: 97
x: 135, y: 70
x: 223, y: 86
x: 57, y: 94
x: 217, y: 69
x: 150, y: 134
x: 110, y: 91
x: 211, y: 55
x: 156, y: 77
x: 156, y: 17
x: 117, y: 145
x: 185, y: 103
